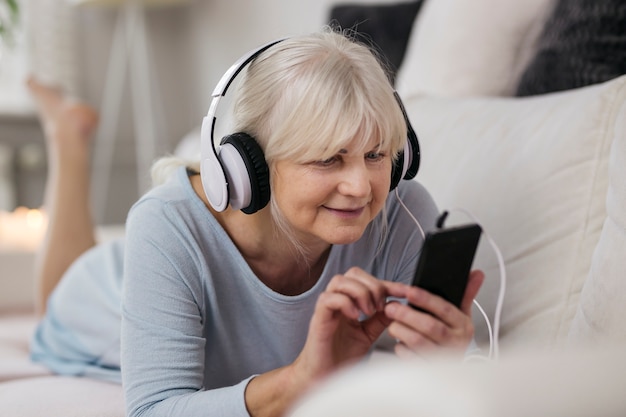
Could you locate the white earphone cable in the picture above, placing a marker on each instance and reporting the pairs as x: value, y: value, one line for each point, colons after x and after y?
x: 417, y: 223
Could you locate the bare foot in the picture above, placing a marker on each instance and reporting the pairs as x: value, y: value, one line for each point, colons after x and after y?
x: 65, y: 121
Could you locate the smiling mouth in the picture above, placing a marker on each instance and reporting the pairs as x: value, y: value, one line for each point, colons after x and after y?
x: 346, y: 213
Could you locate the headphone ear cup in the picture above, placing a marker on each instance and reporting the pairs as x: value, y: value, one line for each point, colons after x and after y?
x: 414, y: 148
x: 397, y: 171
x: 408, y: 161
x: 256, y: 167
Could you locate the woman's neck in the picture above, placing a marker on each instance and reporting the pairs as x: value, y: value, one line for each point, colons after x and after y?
x: 271, y: 255
x: 268, y: 252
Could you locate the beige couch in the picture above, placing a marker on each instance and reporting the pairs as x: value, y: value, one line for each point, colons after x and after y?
x: 544, y: 174
x: 546, y: 177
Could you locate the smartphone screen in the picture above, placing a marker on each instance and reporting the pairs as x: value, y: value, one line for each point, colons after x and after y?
x: 446, y: 260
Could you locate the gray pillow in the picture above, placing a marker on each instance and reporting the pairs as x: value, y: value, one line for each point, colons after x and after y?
x: 386, y: 27
x: 583, y: 43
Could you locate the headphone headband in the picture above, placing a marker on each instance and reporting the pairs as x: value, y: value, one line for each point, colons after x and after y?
x: 230, y: 75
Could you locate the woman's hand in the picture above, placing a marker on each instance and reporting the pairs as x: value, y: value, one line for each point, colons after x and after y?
x: 339, y: 333
x: 348, y: 318
x: 446, y: 327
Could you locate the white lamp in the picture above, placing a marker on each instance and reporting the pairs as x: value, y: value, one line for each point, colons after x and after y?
x: 121, y: 2
x: 130, y: 50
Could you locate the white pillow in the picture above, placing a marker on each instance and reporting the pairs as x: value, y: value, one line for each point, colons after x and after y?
x: 535, y: 172
x: 478, y: 47
x: 602, y: 309
x: 574, y: 384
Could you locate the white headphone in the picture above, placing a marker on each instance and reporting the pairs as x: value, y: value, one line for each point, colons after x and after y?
x: 236, y: 173
x: 225, y: 172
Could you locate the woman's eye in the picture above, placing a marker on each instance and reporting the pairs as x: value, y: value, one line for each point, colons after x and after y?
x: 374, y: 156
x: 326, y: 162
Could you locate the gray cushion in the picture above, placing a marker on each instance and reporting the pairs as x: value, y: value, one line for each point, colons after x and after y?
x: 583, y: 43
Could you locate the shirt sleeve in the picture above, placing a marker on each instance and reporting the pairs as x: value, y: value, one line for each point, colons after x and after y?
x: 162, y: 335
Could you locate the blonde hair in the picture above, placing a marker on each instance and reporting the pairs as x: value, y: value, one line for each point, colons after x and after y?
x: 307, y: 97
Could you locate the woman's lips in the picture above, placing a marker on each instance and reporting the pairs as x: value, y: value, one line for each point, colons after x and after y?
x: 348, y: 213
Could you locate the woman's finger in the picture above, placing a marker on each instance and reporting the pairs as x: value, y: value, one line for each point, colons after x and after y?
x: 415, y: 328
x: 329, y: 303
x: 435, y: 305
x: 366, y: 291
x: 475, y: 282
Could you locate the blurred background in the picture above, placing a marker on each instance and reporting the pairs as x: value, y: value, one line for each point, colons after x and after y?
x: 148, y: 66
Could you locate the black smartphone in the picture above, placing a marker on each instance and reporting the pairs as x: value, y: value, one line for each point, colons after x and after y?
x: 446, y: 260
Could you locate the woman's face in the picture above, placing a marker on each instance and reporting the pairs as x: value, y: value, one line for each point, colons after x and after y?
x: 335, y: 199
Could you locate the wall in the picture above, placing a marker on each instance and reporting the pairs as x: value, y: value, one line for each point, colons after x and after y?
x: 226, y: 29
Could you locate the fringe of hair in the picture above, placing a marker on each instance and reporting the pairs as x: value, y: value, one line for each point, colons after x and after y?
x: 164, y: 167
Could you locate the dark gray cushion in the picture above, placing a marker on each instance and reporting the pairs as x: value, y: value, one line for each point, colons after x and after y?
x: 387, y: 27
x: 583, y: 43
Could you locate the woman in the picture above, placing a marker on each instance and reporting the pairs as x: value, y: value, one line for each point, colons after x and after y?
x: 239, y: 312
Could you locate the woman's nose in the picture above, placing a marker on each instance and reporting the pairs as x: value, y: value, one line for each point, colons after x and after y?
x: 355, y: 180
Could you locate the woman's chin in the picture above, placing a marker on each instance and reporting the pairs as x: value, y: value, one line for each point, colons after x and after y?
x: 345, y: 237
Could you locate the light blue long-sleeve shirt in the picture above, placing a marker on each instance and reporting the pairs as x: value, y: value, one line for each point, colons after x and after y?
x: 196, y: 321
